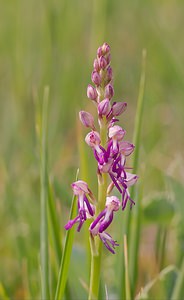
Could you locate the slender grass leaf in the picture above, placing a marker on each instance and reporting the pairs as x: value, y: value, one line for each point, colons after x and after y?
x: 67, y: 250
x: 44, y: 256
x: 177, y: 293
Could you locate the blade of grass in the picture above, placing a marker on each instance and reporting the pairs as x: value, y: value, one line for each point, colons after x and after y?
x: 179, y: 285
x: 65, y: 260
x: 54, y: 225
x: 164, y: 233
x: 3, y: 294
x: 127, y: 282
x: 44, y: 256
x: 136, y: 216
x: 127, y: 220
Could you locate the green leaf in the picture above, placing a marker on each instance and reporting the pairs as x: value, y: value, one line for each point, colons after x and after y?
x: 67, y: 250
x: 44, y: 255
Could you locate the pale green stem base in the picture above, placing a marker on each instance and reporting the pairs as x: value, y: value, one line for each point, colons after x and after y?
x: 96, y: 244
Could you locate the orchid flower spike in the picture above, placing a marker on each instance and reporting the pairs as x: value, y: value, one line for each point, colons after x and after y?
x: 110, y: 152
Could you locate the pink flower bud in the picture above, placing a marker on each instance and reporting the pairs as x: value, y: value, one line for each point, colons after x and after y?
x: 109, y: 74
x: 87, y: 119
x: 104, y: 107
x: 96, y: 65
x: 102, y: 62
x: 109, y: 91
x: 91, y: 92
x: 99, y: 51
x: 118, y: 108
x: 105, y: 48
x: 93, y: 139
x: 95, y: 77
x: 108, y: 58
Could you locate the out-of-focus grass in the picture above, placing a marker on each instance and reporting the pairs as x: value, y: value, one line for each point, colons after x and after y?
x: 53, y: 43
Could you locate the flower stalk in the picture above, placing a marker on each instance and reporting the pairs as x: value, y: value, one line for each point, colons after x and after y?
x: 96, y: 245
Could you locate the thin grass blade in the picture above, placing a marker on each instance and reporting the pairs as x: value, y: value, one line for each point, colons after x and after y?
x: 127, y: 220
x: 127, y: 281
x: 179, y: 285
x: 44, y: 256
x: 67, y: 250
x: 136, y: 215
x: 55, y: 230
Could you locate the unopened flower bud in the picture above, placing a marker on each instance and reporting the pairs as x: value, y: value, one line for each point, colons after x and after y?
x: 102, y: 62
x: 96, y: 65
x: 95, y: 77
x: 99, y: 52
x: 91, y: 92
x: 118, y: 108
x: 104, y: 107
x: 93, y: 139
x: 108, y: 58
x: 105, y: 48
x: 87, y: 119
x: 109, y: 91
x: 109, y: 74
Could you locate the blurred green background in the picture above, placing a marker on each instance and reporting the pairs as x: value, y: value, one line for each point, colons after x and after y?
x: 54, y: 43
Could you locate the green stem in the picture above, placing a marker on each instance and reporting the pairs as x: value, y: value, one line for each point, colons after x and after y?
x: 96, y: 245
x: 44, y: 256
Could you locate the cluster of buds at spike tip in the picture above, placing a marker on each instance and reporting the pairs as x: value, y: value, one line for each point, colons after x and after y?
x: 111, y: 159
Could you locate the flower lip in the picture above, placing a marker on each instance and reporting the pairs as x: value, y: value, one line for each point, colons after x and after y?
x: 108, y: 241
